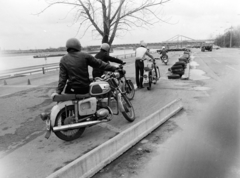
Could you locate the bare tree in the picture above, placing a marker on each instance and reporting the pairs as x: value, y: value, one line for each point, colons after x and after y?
x: 111, y: 16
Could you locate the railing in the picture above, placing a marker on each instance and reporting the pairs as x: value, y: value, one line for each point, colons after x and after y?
x: 43, y: 68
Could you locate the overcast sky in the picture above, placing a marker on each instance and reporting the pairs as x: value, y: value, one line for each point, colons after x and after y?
x: 196, y: 19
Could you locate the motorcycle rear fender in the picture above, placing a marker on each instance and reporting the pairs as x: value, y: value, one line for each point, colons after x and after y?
x: 56, y: 109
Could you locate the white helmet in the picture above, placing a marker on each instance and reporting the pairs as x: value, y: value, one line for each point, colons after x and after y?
x: 105, y: 46
x: 163, y: 47
x: 142, y: 43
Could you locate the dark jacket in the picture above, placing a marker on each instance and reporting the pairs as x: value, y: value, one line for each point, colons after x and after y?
x: 163, y: 52
x: 104, y: 56
x: 74, y: 68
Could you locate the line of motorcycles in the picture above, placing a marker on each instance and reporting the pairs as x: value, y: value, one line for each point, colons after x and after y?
x: 73, y: 113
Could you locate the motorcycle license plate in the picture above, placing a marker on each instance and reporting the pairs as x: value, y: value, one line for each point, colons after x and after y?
x: 146, y: 83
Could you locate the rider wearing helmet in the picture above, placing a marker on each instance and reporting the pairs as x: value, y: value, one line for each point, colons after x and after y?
x: 74, y: 69
x: 139, y: 64
x: 163, y: 52
x: 104, y: 56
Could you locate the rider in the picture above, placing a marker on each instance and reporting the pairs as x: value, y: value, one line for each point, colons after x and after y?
x: 74, y: 69
x: 104, y: 56
x: 139, y: 64
x: 164, y: 52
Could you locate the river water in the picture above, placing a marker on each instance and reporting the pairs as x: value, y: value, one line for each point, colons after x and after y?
x: 25, y: 60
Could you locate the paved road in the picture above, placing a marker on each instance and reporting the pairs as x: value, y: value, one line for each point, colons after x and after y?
x: 203, y: 140
x: 23, y: 147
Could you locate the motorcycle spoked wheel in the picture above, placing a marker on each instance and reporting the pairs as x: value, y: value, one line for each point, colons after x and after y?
x: 149, y: 81
x: 67, y: 116
x: 129, y: 88
x: 128, y: 113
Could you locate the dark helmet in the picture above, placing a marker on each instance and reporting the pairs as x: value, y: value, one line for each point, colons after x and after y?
x: 73, y: 43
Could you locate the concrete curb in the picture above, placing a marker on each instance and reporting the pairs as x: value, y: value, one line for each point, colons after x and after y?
x: 93, y: 161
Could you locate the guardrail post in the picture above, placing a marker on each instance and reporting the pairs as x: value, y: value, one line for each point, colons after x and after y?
x: 29, y: 83
x: 43, y: 70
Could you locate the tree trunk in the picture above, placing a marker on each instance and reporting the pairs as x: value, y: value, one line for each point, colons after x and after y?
x: 105, y: 39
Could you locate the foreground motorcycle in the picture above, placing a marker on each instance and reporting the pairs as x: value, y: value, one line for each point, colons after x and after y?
x: 74, y: 112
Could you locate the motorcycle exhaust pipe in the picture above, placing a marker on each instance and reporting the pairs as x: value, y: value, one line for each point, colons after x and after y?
x: 78, y: 125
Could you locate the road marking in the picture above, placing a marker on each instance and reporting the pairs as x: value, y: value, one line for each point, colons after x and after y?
x: 217, y: 60
x: 232, y: 68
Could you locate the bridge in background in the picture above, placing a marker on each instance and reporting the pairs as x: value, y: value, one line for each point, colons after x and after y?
x: 178, y: 41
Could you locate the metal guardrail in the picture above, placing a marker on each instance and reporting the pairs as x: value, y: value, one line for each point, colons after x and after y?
x: 43, y: 68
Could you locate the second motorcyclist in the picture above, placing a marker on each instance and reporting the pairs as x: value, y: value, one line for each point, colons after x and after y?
x: 105, y: 57
x: 139, y: 63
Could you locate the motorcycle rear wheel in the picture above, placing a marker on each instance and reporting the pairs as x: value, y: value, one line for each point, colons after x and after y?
x: 128, y: 113
x: 67, y: 116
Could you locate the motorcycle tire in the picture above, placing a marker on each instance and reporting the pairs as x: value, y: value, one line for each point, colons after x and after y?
x: 71, y: 134
x: 129, y: 88
x: 128, y: 113
x: 180, y: 63
x: 174, y: 76
x: 174, y: 67
x: 149, y: 81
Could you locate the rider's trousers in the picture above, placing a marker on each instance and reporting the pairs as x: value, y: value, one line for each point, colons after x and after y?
x: 139, y: 69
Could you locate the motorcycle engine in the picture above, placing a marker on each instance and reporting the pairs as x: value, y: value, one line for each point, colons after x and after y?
x: 102, y: 112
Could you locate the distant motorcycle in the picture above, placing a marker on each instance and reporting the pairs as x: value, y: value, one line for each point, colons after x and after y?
x: 164, y: 59
x: 74, y: 112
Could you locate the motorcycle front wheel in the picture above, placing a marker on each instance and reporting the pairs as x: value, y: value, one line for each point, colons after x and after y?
x: 129, y: 88
x: 128, y: 110
x: 65, y: 117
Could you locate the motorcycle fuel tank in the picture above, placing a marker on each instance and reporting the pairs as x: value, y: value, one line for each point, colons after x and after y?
x: 99, y: 88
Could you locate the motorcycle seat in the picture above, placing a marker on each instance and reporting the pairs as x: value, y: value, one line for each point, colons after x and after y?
x: 147, y: 68
x: 69, y: 97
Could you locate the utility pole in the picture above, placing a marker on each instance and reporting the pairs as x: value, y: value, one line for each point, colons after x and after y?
x: 230, y: 45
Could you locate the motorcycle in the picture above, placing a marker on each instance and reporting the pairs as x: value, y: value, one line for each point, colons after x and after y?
x: 75, y: 112
x: 151, y: 73
x: 164, y: 59
x: 126, y: 84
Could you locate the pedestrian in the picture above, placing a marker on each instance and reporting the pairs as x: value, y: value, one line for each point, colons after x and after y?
x: 139, y: 63
x: 74, y: 69
x: 104, y: 56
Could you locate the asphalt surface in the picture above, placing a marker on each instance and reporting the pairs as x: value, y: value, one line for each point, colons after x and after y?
x: 23, y: 147
x: 203, y: 140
